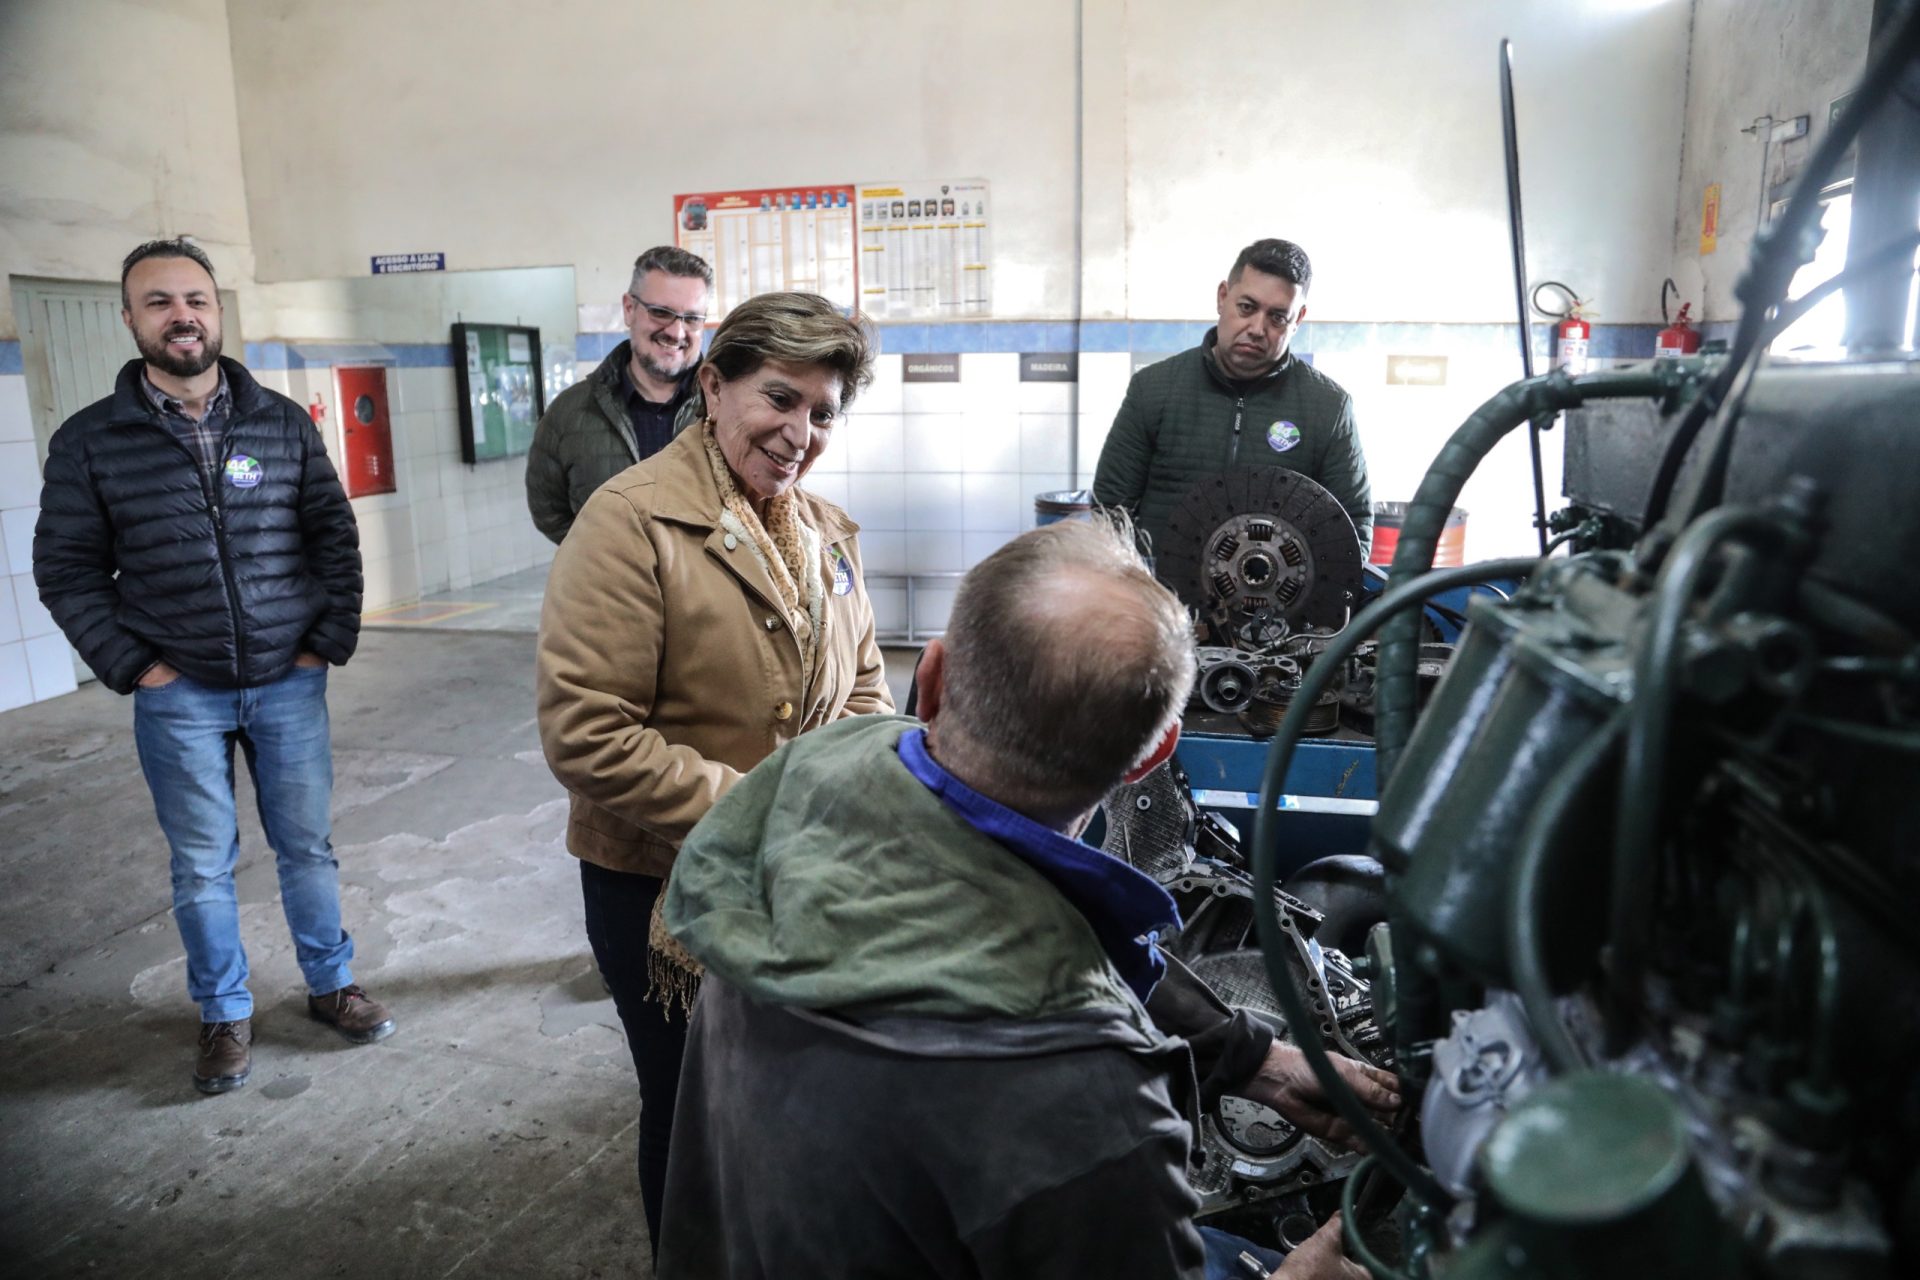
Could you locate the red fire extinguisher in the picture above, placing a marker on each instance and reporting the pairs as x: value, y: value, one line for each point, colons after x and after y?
x: 1572, y: 335
x: 1678, y: 338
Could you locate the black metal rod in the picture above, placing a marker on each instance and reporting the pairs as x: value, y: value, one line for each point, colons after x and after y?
x: 1517, y: 226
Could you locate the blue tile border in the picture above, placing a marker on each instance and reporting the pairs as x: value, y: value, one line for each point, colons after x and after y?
x: 1609, y: 342
x: 321, y: 355
x: 10, y: 361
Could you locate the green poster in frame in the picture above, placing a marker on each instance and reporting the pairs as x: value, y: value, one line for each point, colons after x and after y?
x: 500, y: 392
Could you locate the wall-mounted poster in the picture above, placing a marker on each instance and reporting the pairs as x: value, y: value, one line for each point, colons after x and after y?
x: 925, y: 250
x: 760, y: 241
x: 501, y: 392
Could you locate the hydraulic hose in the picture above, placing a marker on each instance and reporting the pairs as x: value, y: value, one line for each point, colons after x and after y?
x: 1274, y: 943
x: 1350, y: 1235
x: 1643, y: 767
x: 1524, y: 949
x: 1397, y: 690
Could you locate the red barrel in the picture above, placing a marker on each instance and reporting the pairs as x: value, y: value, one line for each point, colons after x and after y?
x: 1389, y: 516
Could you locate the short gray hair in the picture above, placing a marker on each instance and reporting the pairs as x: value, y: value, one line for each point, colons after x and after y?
x: 673, y: 261
x: 793, y: 328
x: 1066, y: 661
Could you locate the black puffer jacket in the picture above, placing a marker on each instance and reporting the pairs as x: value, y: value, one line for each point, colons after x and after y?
x: 139, y: 558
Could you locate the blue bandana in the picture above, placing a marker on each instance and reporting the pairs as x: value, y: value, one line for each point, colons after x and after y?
x: 1126, y: 909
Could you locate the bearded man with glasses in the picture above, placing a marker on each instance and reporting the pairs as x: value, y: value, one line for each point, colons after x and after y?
x: 635, y: 402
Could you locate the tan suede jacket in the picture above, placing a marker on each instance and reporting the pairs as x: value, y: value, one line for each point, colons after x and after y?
x: 667, y: 664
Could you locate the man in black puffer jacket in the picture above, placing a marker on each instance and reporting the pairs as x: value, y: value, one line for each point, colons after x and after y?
x: 196, y: 547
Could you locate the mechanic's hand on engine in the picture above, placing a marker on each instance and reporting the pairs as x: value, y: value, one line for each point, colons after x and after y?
x: 1285, y: 1082
x: 1322, y: 1256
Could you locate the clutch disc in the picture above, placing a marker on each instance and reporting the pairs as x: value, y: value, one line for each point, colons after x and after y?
x: 1262, y: 553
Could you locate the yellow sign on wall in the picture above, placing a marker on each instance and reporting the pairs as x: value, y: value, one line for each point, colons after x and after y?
x: 1710, y: 220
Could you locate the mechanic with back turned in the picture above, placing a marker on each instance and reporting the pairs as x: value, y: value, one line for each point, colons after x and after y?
x: 1239, y: 399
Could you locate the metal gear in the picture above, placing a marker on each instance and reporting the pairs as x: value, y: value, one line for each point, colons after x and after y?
x: 1261, y: 553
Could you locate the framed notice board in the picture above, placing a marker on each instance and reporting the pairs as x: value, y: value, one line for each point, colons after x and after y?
x: 501, y: 394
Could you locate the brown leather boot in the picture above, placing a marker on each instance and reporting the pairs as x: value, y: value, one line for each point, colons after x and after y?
x: 226, y: 1056
x: 353, y: 1013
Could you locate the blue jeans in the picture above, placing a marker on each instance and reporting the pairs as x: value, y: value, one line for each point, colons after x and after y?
x: 1223, y: 1254
x: 185, y: 732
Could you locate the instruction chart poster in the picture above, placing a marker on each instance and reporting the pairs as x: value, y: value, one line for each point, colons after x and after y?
x: 925, y: 249
x: 770, y: 239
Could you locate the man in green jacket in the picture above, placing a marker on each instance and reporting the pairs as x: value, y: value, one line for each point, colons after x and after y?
x: 1239, y: 399
x: 922, y: 1045
x: 636, y: 401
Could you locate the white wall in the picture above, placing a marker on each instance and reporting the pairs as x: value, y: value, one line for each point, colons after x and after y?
x: 510, y: 134
x: 117, y: 125
x: 448, y: 524
x: 1783, y: 58
x: 1369, y: 132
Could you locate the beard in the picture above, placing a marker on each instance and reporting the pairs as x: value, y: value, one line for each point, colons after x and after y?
x: 655, y: 369
x: 158, y: 353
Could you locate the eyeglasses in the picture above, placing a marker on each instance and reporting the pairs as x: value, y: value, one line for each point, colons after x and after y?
x: 667, y: 315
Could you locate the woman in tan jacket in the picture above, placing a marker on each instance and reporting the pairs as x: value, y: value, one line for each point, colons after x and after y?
x: 701, y: 611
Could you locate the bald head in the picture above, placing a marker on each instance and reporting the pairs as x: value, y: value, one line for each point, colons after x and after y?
x: 1065, y: 663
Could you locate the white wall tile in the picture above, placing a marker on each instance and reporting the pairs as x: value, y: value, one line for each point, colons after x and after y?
x: 991, y: 502
x: 1046, y: 397
x: 430, y: 520
x: 889, y: 609
x: 433, y: 567
x: 872, y: 442
x: 977, y: 546
x: 1093, y: 436
x: 883, y: 551
x: 50, y: 666
x: 9, y: 618
x: 459, y: 563
x: 877, y: 500
x: 935, y: 397
x: 930, y: 609
x: 832, y: 460
x: 18, y: 526
x: 990, y: 368
x: 990, y: 442
x: 19, y: 475
x: 934, y: 552
x: 833, y: 488
x: 271, y: 379
x: 16, y: 682
x: 1046, y: 442
x: 16, y: 417
x: 34, y: 618
x: 933, y: 502
x: 883, y: 395
x: 936, y: 442
x: 377, y: 574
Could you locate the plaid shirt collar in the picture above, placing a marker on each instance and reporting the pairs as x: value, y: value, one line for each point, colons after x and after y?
x: 218, y: 402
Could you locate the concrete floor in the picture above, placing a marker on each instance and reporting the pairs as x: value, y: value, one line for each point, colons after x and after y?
x: 493, y: 1135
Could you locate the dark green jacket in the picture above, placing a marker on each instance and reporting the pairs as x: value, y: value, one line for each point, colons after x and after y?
x: 1184, y: 420
x: 911, y: 1056
x: 586, y: 439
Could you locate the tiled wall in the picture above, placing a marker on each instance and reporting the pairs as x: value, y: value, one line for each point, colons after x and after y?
x: 939, y: 474
x: 35, y: 660
x: 448, y: 525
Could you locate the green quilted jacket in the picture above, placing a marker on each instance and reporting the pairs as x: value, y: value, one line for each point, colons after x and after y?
x: 584, y: 440
x: 1183, y: 420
